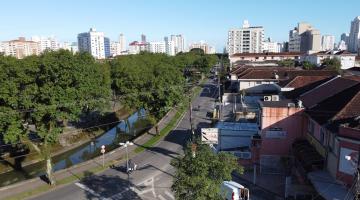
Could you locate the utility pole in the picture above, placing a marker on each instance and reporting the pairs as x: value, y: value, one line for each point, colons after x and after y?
x: 219, y: 70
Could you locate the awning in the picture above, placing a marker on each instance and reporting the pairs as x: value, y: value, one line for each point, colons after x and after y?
x: 327, y: 186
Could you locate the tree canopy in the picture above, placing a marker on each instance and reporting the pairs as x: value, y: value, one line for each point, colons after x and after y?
x: 332, y: 63
x: 200, y: 176
x: 47, y: 91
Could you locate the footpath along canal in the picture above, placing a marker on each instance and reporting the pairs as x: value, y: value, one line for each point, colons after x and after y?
x: 128, y: 129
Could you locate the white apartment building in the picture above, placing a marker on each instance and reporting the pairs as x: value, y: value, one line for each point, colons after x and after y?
x: 272, y: 47
x: 115, y: 48
x: 354, y: 36
x: 45, y: 43
x: 122, y: 42
x: 342, y: 45
x: 204, y: 46
x: 179, y: 43
x: 157, y: 47
x: 327, y: 42
x: 92, y: 42
x: 169, y: 47
x: 20, y: 48
x: 346, y: 59
x: 246, y: 39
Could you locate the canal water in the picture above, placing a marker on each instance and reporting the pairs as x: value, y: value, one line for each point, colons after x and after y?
x: 128, y: 129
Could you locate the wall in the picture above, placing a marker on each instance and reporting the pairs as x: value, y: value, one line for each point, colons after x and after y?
x: 289, y: 120
x: 257, y: 86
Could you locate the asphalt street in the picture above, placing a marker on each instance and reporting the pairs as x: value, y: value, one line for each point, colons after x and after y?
x: 153, y: 178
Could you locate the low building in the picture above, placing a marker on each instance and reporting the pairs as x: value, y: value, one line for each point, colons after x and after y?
x: 346, y: 58
x: 136, y: 47
x: 262, y: 57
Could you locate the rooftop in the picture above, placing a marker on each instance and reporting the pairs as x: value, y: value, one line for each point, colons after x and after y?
x: 326, y: 90
x: 278, y: 104
x: 266, y: 54
x: 233, y: 126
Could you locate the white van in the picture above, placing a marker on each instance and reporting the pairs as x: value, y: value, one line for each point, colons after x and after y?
x: 234, y: 191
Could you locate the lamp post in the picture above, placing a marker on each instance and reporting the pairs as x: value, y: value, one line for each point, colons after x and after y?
x: 126, y: 144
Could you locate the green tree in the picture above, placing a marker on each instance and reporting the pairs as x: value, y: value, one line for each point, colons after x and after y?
x: 332, y: 63
x: 53, y: 88
x: 308, y: 65
x: 200, y: 176
x: 286, y: 63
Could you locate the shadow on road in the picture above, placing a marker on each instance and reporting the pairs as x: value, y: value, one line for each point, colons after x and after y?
x: 103, y: 186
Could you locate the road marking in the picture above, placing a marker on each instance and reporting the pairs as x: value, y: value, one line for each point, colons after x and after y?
x: 84, y: 187
x: 161, y: 197
x: 169, y: 194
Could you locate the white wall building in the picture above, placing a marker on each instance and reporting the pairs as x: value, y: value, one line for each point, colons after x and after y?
x: 122, y: 42
x: 342, y: 45
x: 354, y: 36
x: 115, y: 48
x: 20, y: 48
x: 179, y: 43
x: 327, y: 42
x: 246, y: 39
x: 272, y: 47
x: 157, y: 47
x: 347, y: 59
x: 92, y: 42
x: 204, y: 46
x: 45, y: 43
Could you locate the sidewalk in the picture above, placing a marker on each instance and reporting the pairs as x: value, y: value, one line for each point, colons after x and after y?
x: 115, y: 156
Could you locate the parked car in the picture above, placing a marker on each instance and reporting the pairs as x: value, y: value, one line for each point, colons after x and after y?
x: 234, y: 191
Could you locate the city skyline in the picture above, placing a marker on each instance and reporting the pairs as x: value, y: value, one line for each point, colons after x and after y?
x: 200, y: 20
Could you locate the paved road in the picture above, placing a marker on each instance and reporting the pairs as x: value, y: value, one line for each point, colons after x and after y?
x: 153, y: 178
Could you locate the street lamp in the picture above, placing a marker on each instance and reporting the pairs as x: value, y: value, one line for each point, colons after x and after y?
x: 126, y: 144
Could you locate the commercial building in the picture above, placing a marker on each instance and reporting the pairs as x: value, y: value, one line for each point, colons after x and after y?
x: 248, y: 39
x: 354, y: 36
x: 20, y: 48
x: 327, y: 42
x: 304, y: 38
x: 92, y: 42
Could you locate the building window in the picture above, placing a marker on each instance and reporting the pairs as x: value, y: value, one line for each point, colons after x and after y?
x: 311, y: 127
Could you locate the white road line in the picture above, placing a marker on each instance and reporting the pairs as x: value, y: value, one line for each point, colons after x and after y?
x: 169, y: 194
x: 84, y: 187
x: 161, y: 197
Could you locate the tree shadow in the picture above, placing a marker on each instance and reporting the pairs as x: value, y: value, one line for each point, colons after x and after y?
x: 110, y: 187
x: 160, y: 150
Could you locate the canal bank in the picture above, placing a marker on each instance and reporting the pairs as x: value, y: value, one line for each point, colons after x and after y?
x: 126, y: 129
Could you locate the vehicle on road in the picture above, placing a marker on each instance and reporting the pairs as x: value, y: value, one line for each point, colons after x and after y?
x: 234, y: 191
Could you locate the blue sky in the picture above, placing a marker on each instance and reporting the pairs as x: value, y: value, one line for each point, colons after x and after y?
x: 207, y: 20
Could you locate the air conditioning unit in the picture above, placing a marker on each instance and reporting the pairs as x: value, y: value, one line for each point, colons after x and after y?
x: 275, y: 98
x: 267, y: 98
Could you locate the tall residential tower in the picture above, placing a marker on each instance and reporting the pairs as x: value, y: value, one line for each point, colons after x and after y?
x: 92, y: 42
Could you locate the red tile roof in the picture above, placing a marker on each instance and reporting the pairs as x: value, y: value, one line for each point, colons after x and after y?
x: 297, y: 92
x: 301, y: 81
x: 326, y: 90
x: 338, y: 108
x: 283, y: 73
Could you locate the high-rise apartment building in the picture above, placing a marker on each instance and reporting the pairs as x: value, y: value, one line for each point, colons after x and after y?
x: 107, y: 47
x: 345, y: 37
x: 169, y: 47
x: 304, y: 38
x: 122, y: 42
x: 92, y: 42
x: 248, y: 39
x: 354, y: 36
x: 46, y: 43
x: 143, y: 38
x: 179, y: 43
x: 20, y: 48
x: 327, y: 42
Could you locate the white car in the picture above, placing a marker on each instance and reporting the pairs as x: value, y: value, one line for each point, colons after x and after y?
x: 234, y: 191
